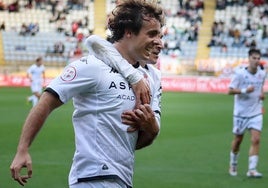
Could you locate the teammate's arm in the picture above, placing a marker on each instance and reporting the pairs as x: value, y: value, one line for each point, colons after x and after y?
x: 34, y: 121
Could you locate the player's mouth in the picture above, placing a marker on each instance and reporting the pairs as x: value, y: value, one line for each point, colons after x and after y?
x: 149, y: 51
x: 156, y: 53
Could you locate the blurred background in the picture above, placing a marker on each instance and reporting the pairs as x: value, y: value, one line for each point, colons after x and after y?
x: 204, y: 39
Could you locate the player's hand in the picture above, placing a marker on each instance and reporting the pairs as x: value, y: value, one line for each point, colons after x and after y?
x: 262, y: 96
x: 21, y: 160
x: 139, y: 119
x: 250, y: 89
x: 142, y: 92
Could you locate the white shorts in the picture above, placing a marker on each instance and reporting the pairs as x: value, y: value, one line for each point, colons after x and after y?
x: 241, y: 124
x: 105, y: 183
x: 36, y: 86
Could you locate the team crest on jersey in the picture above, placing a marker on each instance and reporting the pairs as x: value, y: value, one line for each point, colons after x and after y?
x: 69, y: 74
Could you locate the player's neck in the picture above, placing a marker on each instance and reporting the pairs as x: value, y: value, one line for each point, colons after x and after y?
x: 124, y: 53
x: 252, y: 70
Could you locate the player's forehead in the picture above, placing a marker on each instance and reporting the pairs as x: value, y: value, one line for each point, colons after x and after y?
x: 255, y: 56
x: 152, y: 27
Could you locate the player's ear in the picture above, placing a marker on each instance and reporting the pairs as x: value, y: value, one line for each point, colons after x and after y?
x: 128, y: 33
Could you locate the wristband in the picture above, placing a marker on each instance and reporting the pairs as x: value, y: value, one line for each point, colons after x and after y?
x: 244, y: 90
x: 134, y: 78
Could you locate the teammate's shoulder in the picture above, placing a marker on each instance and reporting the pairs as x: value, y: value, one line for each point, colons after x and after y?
x: 154, y: 72
x: 153, y: 68
x: 263, y: 70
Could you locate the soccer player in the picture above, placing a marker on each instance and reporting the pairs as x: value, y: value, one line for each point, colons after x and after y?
x: 36, y: 74
x: 104, y: 148
x: 247, y: 86
x: 106, y: 52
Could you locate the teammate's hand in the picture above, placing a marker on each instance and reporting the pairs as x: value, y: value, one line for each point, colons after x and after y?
x: 21, y: 160
x: 139, y: 119
x: 142, y: 92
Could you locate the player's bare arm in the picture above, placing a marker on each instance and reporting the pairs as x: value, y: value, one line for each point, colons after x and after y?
x: 32, y: 125
x: 143, y: 120
x: 233, y: 91
x: 262, y: 96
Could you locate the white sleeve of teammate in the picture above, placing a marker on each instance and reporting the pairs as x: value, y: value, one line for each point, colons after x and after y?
x: 156, y: 98
x: 106, y: 52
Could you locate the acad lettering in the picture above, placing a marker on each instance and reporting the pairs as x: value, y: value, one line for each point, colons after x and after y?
x: 122, y: 86
x: 126, y: 97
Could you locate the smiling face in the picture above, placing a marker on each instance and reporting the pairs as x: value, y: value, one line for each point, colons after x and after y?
x: 158, y: 46
x: 145, y: 45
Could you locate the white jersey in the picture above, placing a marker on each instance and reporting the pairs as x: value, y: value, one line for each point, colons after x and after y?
x: 100, y: 94
x: 106, y: 52
x: 249, y: 104
x: 36, y: 72
x: 153, y: 75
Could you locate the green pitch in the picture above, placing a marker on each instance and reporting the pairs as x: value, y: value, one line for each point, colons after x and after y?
x: 192, y: 150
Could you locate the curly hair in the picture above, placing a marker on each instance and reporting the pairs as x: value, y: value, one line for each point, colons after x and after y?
x: 130, y: 14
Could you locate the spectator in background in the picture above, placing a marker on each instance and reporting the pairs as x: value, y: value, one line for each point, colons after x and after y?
x: 2, y: 5
x: 29, y: 4
x: 77, y: 52
x: 61, y: 25
x: 3, y: 26
x: 53, y: 4
x: 33, y: 28
x: 30, y: 29
x: 40, y: 4
x: 23, y: 29
x: 75, y: 27
x: 14, y: 7
x: 59, y: 48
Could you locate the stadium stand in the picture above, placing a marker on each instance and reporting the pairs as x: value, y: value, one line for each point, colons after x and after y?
x: 182, y: 26
x: 239, y: 27
x: 198, y: 35
x: 20, y: 48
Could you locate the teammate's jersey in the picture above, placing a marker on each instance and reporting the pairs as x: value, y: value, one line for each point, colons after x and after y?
x: 100, y: 94
x: 153, y: 75
x: 249, y: 104
x: 36, y: 72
